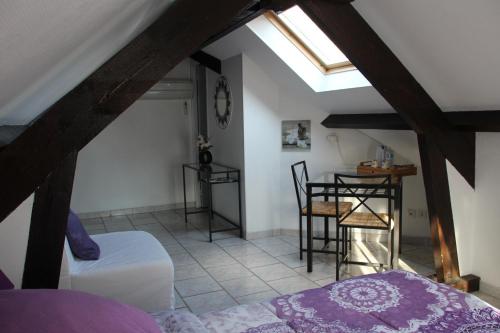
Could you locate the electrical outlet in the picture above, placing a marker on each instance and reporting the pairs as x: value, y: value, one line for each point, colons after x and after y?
x: 421, y: 213
x: 412, y: 212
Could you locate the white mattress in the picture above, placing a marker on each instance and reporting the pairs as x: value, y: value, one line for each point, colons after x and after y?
x: 134, y: 268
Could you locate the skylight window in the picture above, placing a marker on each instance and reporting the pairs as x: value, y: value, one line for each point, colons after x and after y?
x: 309, y: 38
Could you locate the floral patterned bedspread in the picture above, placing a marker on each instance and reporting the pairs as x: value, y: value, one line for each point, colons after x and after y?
x: 393, y: 301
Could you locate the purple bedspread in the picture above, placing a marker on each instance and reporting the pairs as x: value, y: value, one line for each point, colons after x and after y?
x: 393, y: 301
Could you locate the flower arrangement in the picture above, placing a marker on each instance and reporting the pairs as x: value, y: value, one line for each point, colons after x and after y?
x: 203, y: 144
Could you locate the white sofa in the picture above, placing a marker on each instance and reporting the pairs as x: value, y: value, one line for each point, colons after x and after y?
x: 133, y: 268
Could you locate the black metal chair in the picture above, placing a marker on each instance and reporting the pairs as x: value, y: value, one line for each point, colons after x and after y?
x: 325, y: 209
x: 363, y: 188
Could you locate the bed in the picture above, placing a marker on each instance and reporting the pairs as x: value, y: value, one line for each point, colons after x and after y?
x: 393, y: 301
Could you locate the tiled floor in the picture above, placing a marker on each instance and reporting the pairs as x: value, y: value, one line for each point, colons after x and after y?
x: 231, y: 271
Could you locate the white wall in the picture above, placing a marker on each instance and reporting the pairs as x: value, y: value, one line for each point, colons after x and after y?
x: 267, y: 168
x: 463, y: 206
x: 484, y: 218
x: 14, y: 232
x: 476, y: 214
x: 228, y: 144
x: 137, y: 160
x: 262, y: 150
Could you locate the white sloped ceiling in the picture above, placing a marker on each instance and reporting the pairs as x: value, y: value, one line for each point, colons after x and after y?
x: 47, y: 47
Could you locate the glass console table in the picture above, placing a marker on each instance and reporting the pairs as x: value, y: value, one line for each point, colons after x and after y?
x: 210, y: 175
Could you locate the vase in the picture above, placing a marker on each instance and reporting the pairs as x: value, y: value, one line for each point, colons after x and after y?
x: 205, y: 157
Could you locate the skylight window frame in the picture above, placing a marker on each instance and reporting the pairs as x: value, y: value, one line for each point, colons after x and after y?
x: 305, y: 49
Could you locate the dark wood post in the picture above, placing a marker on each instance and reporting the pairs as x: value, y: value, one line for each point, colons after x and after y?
x: 440, y: 211
x: 48, y: 227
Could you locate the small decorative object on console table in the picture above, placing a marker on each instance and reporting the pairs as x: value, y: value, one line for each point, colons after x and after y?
x: 204, y: 154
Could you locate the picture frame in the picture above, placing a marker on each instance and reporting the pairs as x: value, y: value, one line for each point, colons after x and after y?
x: 296, y: 135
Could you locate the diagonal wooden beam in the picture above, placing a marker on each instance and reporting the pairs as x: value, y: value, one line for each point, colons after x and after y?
x: 366, y: 50
x: 85, y: 111
x: 467, y: 121
x: 208, y: 61
x: 48, y: 227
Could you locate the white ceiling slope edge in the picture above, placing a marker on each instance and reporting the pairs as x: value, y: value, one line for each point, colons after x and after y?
x: 450, y: 46
x: 244, y: 41
x: 48, y: 47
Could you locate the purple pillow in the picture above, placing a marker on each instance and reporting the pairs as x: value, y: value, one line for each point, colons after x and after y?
x: 5, y: 283
x: 82, y: 246
x: 68, y: 311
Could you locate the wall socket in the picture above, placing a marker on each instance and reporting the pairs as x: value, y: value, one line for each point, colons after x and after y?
x: 417, y: 213
x: 422, y: 213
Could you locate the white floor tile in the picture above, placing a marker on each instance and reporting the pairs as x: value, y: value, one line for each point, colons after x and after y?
x: 179, y: 303
x: 219, y: 260
x: 215, y: 301
x: 223, y: 273
x: 196, y: 286
x: 292, y: 285
x: 273, y: 272
x: 258, y: 297
x: 189, y: 272
x: 292, y: 260
x: 244, y: 286
x: 242, y: 250
x: 231, y: 242
x: 256, y: 260
x: 181, y: 259
x: 320, y: 272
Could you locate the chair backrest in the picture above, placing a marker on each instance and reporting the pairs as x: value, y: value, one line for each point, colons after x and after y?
x: 364, y: 188
x: 300, y: 178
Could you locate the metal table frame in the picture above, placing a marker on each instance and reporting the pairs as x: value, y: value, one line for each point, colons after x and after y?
x: 205, y: 176
x: 327, y: 189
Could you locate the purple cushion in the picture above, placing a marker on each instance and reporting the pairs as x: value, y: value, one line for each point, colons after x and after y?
x: 68, y: 311
x: 82, y: 246
x: 5, y: 283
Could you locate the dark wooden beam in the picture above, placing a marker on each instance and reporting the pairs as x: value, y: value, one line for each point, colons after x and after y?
x: 208, y: 61
x: 85, y: 111
x: 278, y: 5
x: 467, y: 121
x: 248, y: 14
x: 475, y: 121
x: 440, y: 211
x: 9, y: 134
x: 366, y: 50
x: 253, y: 10
x: 49, y: 219
x: 385, y: 121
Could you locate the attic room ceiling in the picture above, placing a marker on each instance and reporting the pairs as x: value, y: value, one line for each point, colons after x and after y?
x: 243, y: 40
x: 48, y: 47
x: 449, y: 46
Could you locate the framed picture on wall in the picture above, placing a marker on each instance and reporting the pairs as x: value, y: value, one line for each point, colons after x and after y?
x: 296, y: 135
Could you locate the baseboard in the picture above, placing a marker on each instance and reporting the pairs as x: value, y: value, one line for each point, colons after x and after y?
x: 490, y: 289
x: 135, y: 210
x: 358, y: 235
x: 262, y: 234
x: 365, y: 235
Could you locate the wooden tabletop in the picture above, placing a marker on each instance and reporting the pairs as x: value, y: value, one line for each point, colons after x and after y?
x: 397, y: 171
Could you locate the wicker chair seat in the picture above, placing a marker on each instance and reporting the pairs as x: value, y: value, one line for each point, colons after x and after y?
x: 328, y: 208
x: 366, y: 220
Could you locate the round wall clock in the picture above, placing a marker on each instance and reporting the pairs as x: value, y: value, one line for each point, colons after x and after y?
x: 223, y: 103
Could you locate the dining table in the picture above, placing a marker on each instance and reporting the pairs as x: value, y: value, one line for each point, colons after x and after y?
x: 323, y: 186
